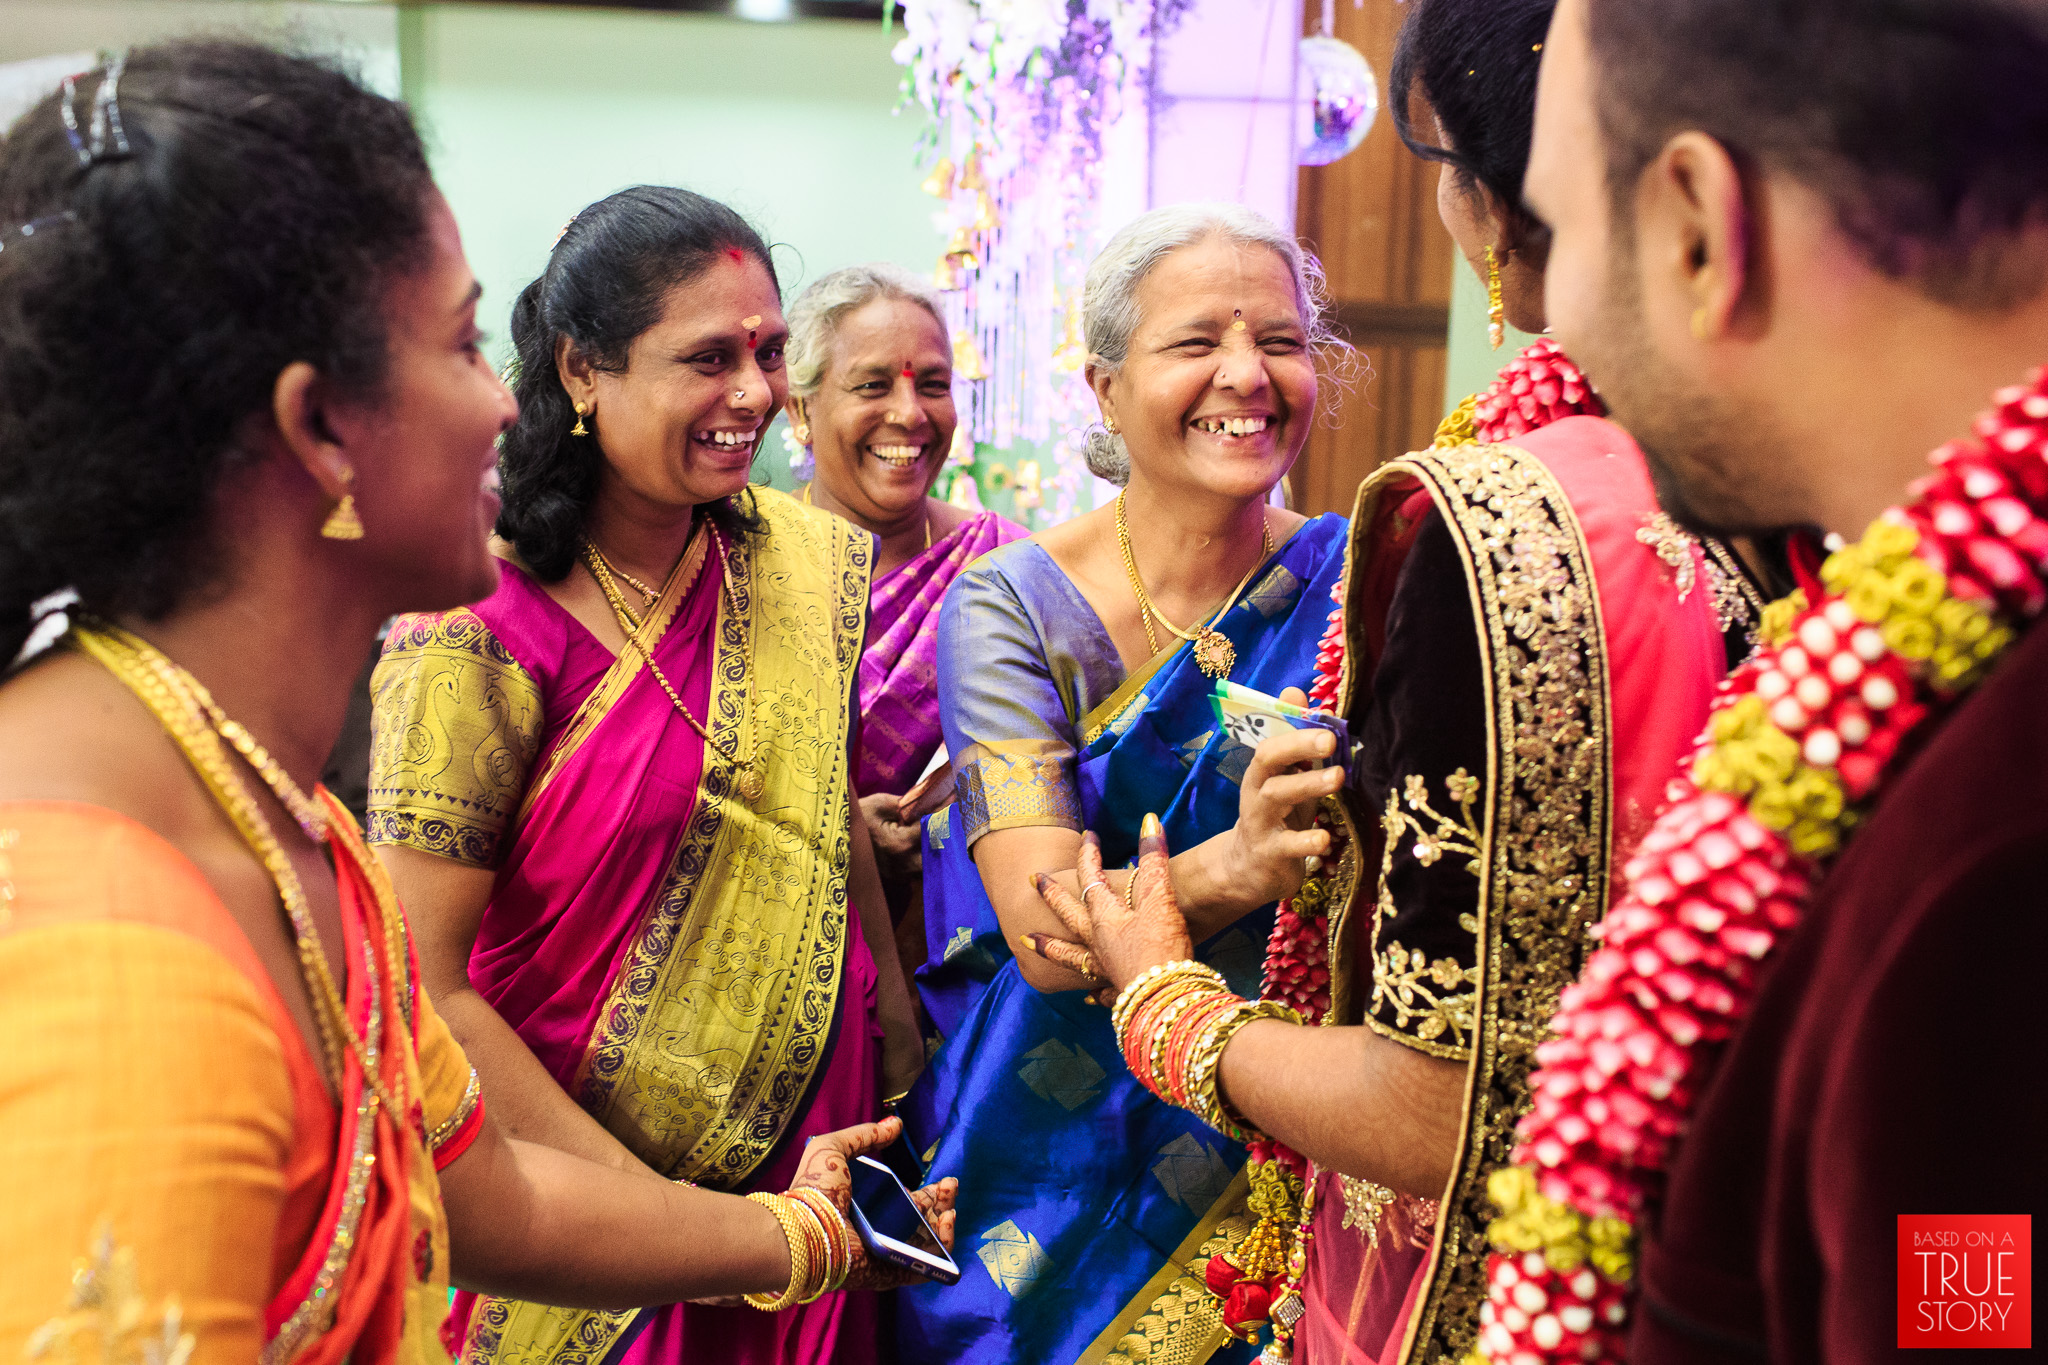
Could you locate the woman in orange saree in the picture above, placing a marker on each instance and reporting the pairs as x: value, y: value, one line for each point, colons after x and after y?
x: 617, y: 793
x: 240, y: 393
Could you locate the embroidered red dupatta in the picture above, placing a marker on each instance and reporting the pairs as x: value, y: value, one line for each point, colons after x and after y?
x: 1597, y: 672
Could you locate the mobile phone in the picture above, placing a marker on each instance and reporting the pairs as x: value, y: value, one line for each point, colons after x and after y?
x: 1250, y: 715
x: 900, y: 1157
x: 892, y: 1228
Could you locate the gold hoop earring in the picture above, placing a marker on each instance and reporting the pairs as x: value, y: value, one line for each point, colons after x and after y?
x: 579, y: 429
x: 1496, y: 313
x: 343, y: 523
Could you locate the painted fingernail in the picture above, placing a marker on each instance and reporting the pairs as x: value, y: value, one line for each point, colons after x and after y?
x: 1031, y: 942
x: 1151, y: 829
x: 1038, y: 882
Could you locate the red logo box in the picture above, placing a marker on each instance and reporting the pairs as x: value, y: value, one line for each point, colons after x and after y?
x: 1966, y: 1280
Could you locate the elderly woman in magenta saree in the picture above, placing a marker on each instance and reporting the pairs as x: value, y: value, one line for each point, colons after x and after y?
x: 871, y: 401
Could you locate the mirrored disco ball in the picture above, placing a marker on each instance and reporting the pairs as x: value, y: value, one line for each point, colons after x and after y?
x: 1338, y: 100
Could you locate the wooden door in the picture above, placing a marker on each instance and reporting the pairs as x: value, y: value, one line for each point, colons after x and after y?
x: 1371, y: 218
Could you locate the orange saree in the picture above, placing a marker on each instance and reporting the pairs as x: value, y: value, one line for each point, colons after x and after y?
x: 174, y: 1173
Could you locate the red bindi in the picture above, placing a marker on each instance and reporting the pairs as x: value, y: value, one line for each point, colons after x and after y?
x: 738, y: 257
x: 908, y: 373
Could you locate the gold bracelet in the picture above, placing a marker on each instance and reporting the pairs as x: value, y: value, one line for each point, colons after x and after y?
x: 799, y: 1255
x: 1205, y: 1090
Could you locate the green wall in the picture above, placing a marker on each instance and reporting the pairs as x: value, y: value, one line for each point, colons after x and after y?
x: 532, y: 113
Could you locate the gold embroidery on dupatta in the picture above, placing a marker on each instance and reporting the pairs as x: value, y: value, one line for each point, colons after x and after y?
x: 1735, y: 601
x: 753, y: 964
x: 1545, y: 815
x: 1429, y: 999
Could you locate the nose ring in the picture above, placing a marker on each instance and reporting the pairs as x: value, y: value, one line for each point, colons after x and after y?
x: 739, y: 395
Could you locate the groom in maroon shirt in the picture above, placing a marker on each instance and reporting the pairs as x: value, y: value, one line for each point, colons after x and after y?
x: 1798, y: 243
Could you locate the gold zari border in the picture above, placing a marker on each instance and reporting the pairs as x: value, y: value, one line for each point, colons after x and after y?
x: 1174, y: 1319
x: 1546, y: 808
x: 742, y: 949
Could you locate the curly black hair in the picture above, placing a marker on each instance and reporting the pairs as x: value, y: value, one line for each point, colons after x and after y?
x: 1475, y: 61
x: 250, y: 213
x: 606, y: 282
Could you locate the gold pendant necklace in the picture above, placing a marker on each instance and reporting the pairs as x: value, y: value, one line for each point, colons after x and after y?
x: 1214, y: 654
x: 747, y: 779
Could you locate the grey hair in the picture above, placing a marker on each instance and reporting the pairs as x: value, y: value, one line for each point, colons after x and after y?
x: 814, y: 317
x: 1109, y: 301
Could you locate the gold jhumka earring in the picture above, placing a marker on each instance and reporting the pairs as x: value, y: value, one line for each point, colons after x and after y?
x: 343, y: 523
x: 1496, y: 314
x: 579, y: 429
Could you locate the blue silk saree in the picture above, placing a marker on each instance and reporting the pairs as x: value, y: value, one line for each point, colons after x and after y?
x: 1083, y: 1199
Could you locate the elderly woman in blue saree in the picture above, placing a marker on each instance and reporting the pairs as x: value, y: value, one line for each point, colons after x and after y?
x: 1076, y: 670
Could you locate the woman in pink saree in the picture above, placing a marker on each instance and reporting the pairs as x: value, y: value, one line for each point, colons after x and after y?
x: 1525, y: 646
x: 871, y: 398
x: 617, y: 793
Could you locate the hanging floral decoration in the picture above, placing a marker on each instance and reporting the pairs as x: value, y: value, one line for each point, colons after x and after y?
x: 1799, y: 740
x: 1021, y: 93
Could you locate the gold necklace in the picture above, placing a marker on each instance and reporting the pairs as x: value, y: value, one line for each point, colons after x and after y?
x: 185, y: 709
x: 927, y: 515
x: 1214, y: 654
x: 652, y: 594
x: 747, y: 778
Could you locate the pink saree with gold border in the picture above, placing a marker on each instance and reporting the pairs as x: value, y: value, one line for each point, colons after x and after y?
x: 682, y: 961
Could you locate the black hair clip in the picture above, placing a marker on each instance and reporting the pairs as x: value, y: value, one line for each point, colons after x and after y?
x: 35, y: 225
x: 106, y: 117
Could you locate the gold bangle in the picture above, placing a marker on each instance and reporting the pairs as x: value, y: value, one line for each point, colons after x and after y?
x: 838, y: 1238
x: 799, y: 1255
x: 1205, y: 1090
x: 1160, y: 1031
x: 1151, y: 980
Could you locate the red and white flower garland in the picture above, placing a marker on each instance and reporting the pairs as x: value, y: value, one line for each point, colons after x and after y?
x: 1798, y: 741
x: 1539, y: 386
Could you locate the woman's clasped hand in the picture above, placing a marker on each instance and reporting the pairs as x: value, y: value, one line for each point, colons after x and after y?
x: 1117, y: 937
